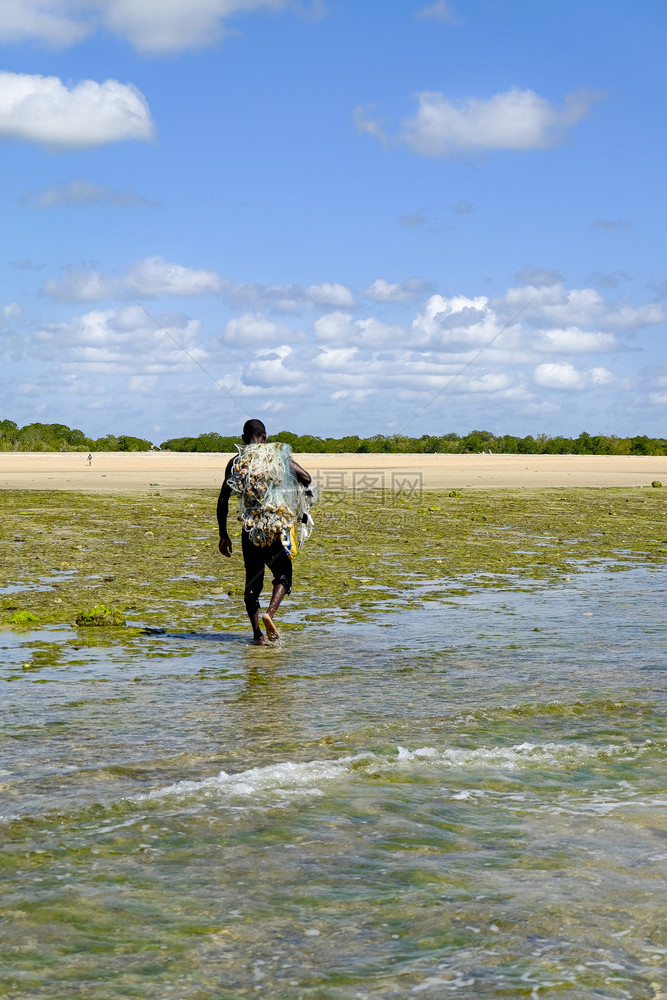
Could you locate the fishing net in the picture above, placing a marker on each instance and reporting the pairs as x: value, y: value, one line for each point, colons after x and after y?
x: 272, y: 502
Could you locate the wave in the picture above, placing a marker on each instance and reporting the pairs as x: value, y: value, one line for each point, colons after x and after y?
x: 284, y: 783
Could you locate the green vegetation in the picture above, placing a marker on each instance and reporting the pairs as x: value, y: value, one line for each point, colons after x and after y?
x: 58, y: 437
x: 100, y: 615
x: 155, y: 557
x: 475, y: 441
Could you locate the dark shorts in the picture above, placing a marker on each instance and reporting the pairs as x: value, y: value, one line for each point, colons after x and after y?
x: 255, y: 558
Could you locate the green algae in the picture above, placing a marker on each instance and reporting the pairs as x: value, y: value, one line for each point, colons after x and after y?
x: 23, y: 618
x: 100, y: 616
x: 155, y: 558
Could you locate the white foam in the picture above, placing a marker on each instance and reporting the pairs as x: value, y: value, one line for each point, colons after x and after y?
x: 512, y: 757
x: 286, y: 781
x: 289, y: 781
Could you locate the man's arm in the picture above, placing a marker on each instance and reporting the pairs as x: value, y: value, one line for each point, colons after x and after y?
x: 225, y: 543
x: 304, y: 477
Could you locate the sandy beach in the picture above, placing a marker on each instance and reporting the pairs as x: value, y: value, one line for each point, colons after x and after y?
x: 139, y: 472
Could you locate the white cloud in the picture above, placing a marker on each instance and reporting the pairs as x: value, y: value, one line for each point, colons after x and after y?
x: 82, y: 193
x: 330, y: 294
x: 155, y: 277
x: 143, y: 384
x: 438, y: 11
x: 563, y: 375
x: 560, y: 375
x: 276, y: 298
x: 120, y: 341
x: 81, y: 286
x: 10, y: 313
x: 275, y: 368
x: 149, y: 25
x: 289, y: 298
x: 383, y: 291
x: 49, y: 21
x: 44, y: 110
x: 601, y: 376
x: 556, y: 307
x: 156, y: 26
x: 253, y: 329
x: 366, y: 124
x: 147, y: 279
x: 577, y: 341
x: 335, y: 359
x: 517, y: 120
x: 334, y: 328
x: 458, y: 319
x: 379, y: 370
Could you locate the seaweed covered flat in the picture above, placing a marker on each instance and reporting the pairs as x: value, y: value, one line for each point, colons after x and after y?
x: 154, y: 558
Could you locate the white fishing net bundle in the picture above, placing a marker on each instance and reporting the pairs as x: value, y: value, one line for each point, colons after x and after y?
x: 271, y: 499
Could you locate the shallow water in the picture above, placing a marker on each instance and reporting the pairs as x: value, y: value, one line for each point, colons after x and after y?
x: 463, y: 799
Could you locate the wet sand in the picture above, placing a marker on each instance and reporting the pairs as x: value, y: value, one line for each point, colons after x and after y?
x: 140, y: 472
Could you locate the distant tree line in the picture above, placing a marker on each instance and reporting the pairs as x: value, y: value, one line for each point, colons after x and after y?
x: 58, y: 437
x: 475, y: 441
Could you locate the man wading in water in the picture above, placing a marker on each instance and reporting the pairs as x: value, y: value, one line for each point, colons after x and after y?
x: 267, y: 479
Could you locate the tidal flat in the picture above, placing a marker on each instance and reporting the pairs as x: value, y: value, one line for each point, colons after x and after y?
x: 154, y: 557
x: 445, y: 780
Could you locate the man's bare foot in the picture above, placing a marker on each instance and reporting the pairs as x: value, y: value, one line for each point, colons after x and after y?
x: 259, y: 640
x: 271, y: 630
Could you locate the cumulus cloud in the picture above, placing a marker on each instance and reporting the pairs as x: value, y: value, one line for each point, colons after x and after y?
x: 78, y: 285
x: 576, y: 341
x: 117, y: 341
x: 153, y: 26
x: 84, y: 193
x: 289, y: 298
x: 255, y: 329
x: 149, y: 25
x: 155, y: 277
x: 461, y: 343
x: 147, y: 279
x: 44, y: 110
x: 10, y: 313
x: 517, y: 119
x: 443, y: 321
x: 563, y: 375
x: 278, y: 367
x: 556, y: 307
x: 405, y: 291
x: 330, y: 294
x: 53, y: 22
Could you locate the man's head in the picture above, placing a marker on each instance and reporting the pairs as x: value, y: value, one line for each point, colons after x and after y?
x: 254, y: 432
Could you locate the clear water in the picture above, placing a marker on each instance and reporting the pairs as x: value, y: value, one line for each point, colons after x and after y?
x: 442, y: 801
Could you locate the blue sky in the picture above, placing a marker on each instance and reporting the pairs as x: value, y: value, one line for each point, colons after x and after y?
x: 342, y: 217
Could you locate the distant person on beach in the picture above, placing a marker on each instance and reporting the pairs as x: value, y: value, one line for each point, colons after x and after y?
x: 264, y: 476
x: 90, y: 460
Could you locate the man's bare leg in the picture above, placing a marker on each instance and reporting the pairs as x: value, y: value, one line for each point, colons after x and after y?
x: 276, y: 597
x: 258, y: 636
